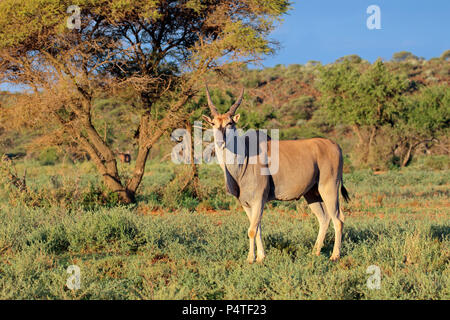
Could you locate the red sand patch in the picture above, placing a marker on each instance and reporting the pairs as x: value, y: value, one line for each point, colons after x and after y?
x: 145, y: 210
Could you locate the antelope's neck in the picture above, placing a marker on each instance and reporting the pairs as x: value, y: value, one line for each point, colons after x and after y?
x: 228, y: 160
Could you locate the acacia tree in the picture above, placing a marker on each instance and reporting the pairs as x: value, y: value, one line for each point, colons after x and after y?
x: 425, y: 118
x: 366, y: 98
x: 157, y: 50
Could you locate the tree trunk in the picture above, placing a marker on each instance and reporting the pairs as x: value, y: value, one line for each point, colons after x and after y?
x: 105, y: 161
x: 194, y: 169
x: 407, y: 157
x: 146, y: 141
x: 361, y: 142
x: 104, y: 158
x: 370, y: 144
x: 111, y: 180
x: 411, y: 150
x: 357, y: 130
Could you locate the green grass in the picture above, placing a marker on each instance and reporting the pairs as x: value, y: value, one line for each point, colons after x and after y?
x: 398, y: 221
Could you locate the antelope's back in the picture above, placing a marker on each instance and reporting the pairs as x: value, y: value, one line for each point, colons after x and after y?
x: 300, y: 162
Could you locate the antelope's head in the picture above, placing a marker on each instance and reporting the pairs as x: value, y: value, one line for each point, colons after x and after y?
x: 222, y: 123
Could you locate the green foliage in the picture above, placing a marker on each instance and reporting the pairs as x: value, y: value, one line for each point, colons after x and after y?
x: 403, y: 56
x: 434, y: 163
x: 425, y: 118
x: 445, y: 55
x: 48, y: 156
x: 437, y: 163
x: 21, y: 20
x: 353, y: 58
x: 255, y: 119
x: 300, y: 108
x: 366, y: 98
x: 428, y: 111
x: 80, y: 189
x: 301, y: 132
x: 98, y: 197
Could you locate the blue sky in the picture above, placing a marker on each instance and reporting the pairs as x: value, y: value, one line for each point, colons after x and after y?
x: 326, y: 30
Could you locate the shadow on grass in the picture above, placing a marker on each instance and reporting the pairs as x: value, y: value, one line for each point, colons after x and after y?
x: 354, y: 235
x: 280, y: 242
x: 423, y: 195
x: 440, y: 232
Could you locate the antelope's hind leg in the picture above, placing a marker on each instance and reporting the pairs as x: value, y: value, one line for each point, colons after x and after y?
x: 317, y: 206
x: 330, y: 195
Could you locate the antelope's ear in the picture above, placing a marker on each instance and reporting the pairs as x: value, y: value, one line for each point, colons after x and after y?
x: 236, y: 117
x: 207, y: 119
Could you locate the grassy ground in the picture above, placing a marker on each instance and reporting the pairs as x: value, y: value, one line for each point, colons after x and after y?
x: 172, y: 246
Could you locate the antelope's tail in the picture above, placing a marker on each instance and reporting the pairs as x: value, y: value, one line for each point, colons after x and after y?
x: 344, y: 192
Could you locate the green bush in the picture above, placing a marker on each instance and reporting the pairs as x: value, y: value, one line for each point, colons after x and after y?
x: 433, y: 162
x: 302, y: 132
x: 98, y: 196
x: 437, y: 162
x: 48, y: 157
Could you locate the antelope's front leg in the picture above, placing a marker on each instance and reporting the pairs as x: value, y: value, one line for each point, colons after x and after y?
x: 254, y: 231
x: 251, y: 251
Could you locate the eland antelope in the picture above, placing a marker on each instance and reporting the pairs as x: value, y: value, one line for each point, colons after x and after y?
x: 311, y: 168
